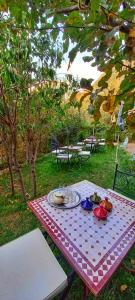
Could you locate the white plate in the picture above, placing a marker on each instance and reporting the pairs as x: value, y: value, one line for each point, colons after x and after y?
x: 72, y: 198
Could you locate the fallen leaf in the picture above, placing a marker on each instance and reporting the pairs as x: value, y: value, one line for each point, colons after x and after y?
x: 132, y: 261
x: 123, y: 288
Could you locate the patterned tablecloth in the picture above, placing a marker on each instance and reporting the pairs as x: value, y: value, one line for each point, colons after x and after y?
x: 93, y: 247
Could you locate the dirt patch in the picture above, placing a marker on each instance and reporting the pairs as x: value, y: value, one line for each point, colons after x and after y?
x: 131, y: 148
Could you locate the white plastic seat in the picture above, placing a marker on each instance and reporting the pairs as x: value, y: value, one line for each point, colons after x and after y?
x: 89, y: 145
x: 64, y: 156
x: 29, y: 270
x: 125, y: 143
x: 84, y: 153
x: 57, y: 151
x: 101, y: 140
x: 133, y: 157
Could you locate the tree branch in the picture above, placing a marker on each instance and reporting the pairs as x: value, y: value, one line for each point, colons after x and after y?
x: 104, y: 28
x: 121, y: 63
x: 49, y: 28
x: 84, y: 7
x: 68, y: 9
x: 117, y: 15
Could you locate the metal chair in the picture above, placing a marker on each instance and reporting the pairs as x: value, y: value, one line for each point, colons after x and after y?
x: 57, y: 151
x: 84, y: 155
x: 124, y: 144
x: 80, y: 144
x: 54, y: 143
x: 133, y: 157
x: 124, y: 182
x: 65, y: 157
x: 29, y: 270
x: 90, y: 146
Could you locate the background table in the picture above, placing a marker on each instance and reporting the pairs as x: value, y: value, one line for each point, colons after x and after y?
x: 72, y: 148
x: 93, y: 247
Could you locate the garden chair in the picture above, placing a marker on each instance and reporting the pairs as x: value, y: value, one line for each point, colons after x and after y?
x: 124, y: 182
x: 84, y: 155
x: 57, y: 151
x: 65, y: 157
x: 90, y: 146
x: 101, y: 142
x: 55, y: 146
x: 124, y: 144
x: 80, y: 144
x: 100, y: 146
x: 133, y: 157
x: 29, y: 270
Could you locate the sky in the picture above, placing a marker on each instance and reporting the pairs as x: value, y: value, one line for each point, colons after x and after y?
x: 79, y: 68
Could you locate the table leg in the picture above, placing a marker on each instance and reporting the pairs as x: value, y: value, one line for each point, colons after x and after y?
x: 86, y: 292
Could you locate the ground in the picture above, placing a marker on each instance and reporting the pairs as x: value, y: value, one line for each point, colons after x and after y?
x: 16, y: 219
x: 131, y: 148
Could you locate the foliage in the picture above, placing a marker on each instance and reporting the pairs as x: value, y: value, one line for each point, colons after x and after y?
x: 65, y: 129
x: 30, y: 51
x: 85, y: 83
x: 28, y: 101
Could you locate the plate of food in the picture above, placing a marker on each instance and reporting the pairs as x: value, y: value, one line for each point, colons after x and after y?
x: 63, y: 198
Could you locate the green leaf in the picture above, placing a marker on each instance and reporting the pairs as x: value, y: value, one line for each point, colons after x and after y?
x: 127, y: 86
x: 73, y: 53
x: 75, y: 18
x: 94, y: 9
x: 66, y: 45
x: 95, y: 5
x: 127, y: 13
x: 87, y: 58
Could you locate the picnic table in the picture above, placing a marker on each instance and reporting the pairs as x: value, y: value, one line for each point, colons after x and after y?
x: 94, y: 248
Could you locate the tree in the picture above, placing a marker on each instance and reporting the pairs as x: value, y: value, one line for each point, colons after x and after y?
x: 30, y: 51
x: 106, y: 29
x: 25, y: 61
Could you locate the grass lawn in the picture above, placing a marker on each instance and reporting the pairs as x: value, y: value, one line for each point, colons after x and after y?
x: 16, y: 219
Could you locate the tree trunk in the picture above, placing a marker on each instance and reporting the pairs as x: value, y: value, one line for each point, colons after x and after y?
x: 27, y: 150
x: 17, y: 165
x: 9, y: 159
x: 10, y: 122
x: 10, y: 167
x: 18, y: 171
x: 33, y: 178
x: 33, y: 152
